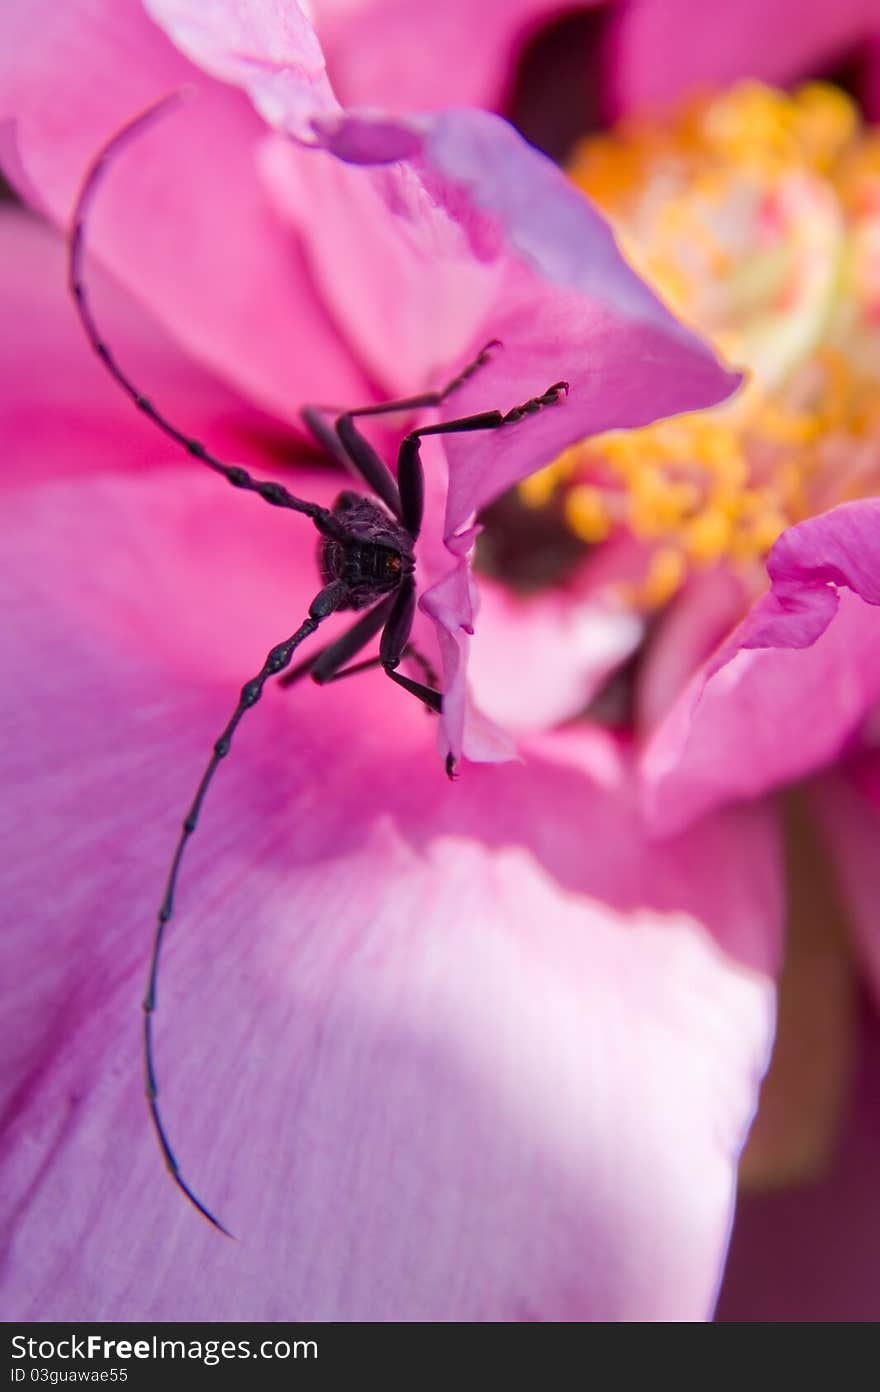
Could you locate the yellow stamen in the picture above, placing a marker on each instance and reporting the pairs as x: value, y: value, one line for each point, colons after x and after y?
x: 586, y: 513
x: 757, y: 215
x: 666, y: 573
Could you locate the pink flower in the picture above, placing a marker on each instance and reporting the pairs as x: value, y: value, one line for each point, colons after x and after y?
x: 500, y: 996
x: 481, y: 1052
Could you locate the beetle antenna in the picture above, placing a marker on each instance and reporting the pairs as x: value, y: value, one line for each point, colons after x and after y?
x: 269, y: 491
x: 278, y: 658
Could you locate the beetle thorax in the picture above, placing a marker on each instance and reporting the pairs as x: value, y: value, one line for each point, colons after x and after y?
x: 373, y: 554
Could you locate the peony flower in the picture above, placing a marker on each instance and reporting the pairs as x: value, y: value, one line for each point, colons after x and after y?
x: 479, y: 1052
x: 507, y: 996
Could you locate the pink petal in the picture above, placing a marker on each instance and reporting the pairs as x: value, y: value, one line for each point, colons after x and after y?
x: 410, y: 56
x: 54, y: 387
x: 471, y: 258
x: 398, y: 272
x: 789, y: 690
x: 813, y: 1254
x: 660, y: 50
x: 493, y: 1054
x: 559, y: 295
x: 569, y: 308
x: 182, y: 218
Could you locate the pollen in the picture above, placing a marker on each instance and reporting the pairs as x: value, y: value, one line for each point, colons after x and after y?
x: 666, y: 573
x: 756, y: 215
x: 586, y: 513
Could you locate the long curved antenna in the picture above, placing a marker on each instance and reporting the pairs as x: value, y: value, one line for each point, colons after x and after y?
x: 278, y: 658
x: 269, y: 491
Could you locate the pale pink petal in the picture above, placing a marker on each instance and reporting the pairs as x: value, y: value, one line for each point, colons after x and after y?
x: 418, y: 56
x: 791, y: 688
x: 397, y: 270
x: 394, y: 54
x: 686, y: 635
x: 182, y: 218
x: 464, y: 729
x: 541, y: 659
x: 460, y: 1053
x: 812, y: 1254
x: 660, y: 50
x: 269, y: 48
x: 533, y: 663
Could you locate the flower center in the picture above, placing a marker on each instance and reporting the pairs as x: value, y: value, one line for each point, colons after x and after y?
x: 756, y: 214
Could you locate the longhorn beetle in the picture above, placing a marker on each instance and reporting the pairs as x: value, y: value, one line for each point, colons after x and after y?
x: 366, y: 555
